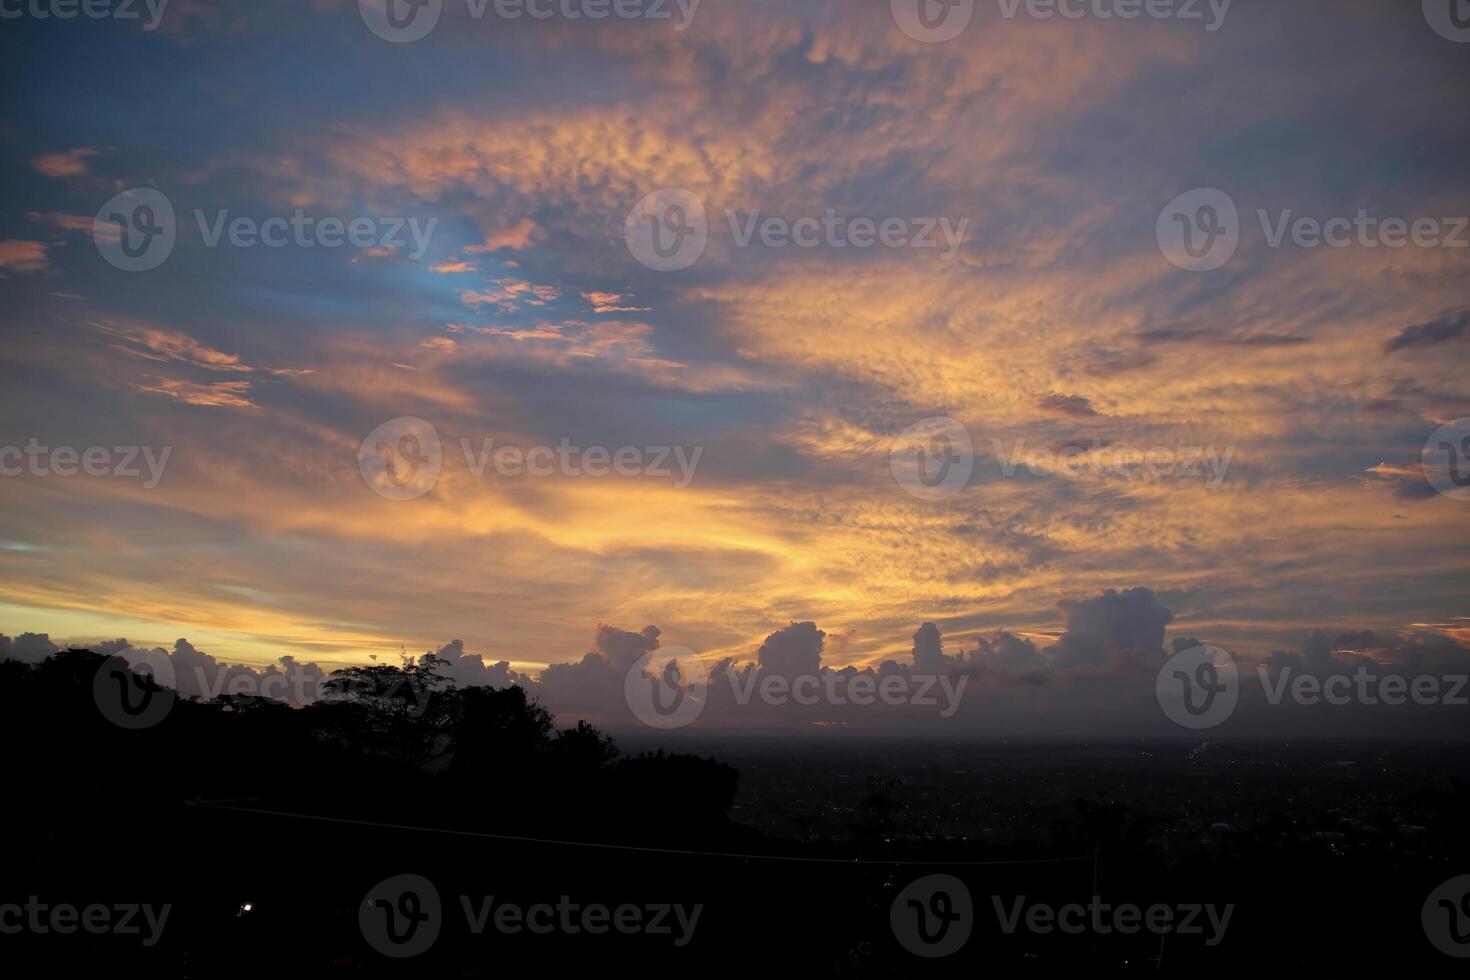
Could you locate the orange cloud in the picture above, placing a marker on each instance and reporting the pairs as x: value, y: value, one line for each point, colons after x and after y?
x: 68, y: 164
x: 231, y: 394
x: 450, y: 268
x: 22, y: 256
x: 516, y: 237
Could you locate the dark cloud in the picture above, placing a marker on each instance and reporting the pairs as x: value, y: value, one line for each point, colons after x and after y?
x: 929, y: 649
x: 623, y: 648
x: 471, y: 670
x: 1074, y: 405
x: 30, y: 648
x: 794, y: 650
x: 1098, y: 678
x: 1111, y: 625
x: 1442, y: 329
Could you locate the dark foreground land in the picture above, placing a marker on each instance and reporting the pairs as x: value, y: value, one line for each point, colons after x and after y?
x: 268, y: 830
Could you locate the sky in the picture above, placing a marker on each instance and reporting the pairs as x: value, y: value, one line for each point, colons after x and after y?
x: 1026, y: 298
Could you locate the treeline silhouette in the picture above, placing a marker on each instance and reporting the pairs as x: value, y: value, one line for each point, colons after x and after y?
x: 387, y: 743
x: 264, y: 826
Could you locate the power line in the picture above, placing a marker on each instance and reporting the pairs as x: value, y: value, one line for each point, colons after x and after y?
x: 216, y: 805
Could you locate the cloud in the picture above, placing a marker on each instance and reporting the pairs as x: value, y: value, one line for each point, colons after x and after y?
x: 22, y: 256
x: 1109, y: 626
x: 70, y: 163
x: 155, y: 344
x: 517, y: 236
x: 603, y: 302
x: 63, y: 221
x: 1072, y: 405
x: 225, y: 394
x: 29, y: 648
x: 1442, y: 329
x: 510, y: 295
x: 471, y: 670
x: 791, y: 651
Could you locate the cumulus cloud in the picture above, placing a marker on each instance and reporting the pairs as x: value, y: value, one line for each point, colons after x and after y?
x: 1098, y: 679
x: 1110, y: 626
x: 794, y: 650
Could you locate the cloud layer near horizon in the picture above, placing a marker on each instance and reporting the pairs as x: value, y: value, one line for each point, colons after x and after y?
x: 1057, y: 323
x: 1096, y: 680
